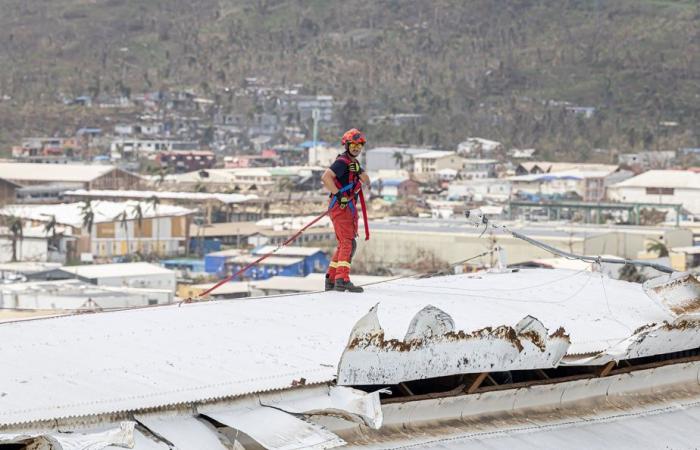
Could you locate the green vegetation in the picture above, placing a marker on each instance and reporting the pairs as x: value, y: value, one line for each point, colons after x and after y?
x: 489, y: 68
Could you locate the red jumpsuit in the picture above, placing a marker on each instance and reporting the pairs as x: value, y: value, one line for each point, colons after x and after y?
x: 345, y: 220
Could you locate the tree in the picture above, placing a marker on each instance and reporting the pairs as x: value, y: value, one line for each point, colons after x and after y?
x: 138, y: 213
x: 123, y: 219
x: 50, y: 227
x: 87, y: 215
x: 398, y: 159
x: 630, y: 273
x: 155, y: 201
x: 658, y: 247
x: 15, y: 226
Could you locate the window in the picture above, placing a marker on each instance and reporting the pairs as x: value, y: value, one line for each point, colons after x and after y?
x: 105, y: 230
x: 659, y: 191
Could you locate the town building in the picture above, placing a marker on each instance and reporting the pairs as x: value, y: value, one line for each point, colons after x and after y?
x: 660, y: 186
x: 430, y: 163
x: 115, y: 229
x: 392, y: 158
x: 76, y: 295
x: 134, y: 275
x: 179, y: 161
x: 75, y: 175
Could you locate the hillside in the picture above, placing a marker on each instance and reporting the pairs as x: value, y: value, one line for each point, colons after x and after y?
x: 494, y: 68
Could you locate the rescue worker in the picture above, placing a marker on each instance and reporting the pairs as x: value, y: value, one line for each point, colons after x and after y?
x: 344, y: 180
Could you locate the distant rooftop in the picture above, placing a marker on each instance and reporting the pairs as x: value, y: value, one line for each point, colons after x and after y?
x: 81, y: 173
x: 91, y: 271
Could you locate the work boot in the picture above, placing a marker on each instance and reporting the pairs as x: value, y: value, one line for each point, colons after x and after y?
x: 342, y: 286
x: 330, y: 284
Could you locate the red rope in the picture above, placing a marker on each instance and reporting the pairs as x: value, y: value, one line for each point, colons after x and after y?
x: 267, y: 255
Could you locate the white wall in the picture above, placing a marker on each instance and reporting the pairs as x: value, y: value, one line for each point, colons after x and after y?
x: 28, y: 249
x: 690, y: 198
x: 155, y: 281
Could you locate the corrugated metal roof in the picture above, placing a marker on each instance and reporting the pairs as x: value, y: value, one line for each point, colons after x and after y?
x: 117, y: 270
x: 104, y: 211
x: 167, y: 195
x: 52, y: 172
x: 672, y: 426
x: 151, y: 357
x: 681, y: 179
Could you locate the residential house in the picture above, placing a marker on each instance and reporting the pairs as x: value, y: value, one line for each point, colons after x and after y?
x: 478, y: 147
x: 269, y: 267
x: 660, y: 186
x: 642, y: 161
x: 478, y: 168
x: 430, y: 163
x: 480, y: 189
x: 117, y: 229
x: 179, y: 161
x: 76, y: 175
x: 392, y: 158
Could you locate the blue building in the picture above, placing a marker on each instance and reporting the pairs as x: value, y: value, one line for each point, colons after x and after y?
x: 315, y: 259
x: 270, y: 267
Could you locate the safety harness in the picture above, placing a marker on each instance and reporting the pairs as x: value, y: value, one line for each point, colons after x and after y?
x: 354, y: 190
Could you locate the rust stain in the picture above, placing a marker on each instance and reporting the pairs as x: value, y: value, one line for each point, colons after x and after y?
x: 502, y: 332
x: 561, y: 333
x: 688, y: 305
x: 535, y: 338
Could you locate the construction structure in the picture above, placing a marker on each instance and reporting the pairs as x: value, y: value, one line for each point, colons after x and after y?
x: 528, y: 358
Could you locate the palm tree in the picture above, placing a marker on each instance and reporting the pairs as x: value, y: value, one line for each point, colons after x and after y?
x: 138, y: 213
x: 123, y: 219
x: 155, y: 201
x: 87, y: 215
x: 658, y: 247
x: 50, y: 227
x: 398, y: 159
x: 17, y: 234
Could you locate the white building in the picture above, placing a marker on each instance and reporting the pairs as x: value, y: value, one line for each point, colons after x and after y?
x: 480, y: 189
x: 118, y: 228
x: 660, y: 186
x: 475, y: 146
x: 322, y: 155
x: 135, y: 275
x: 430, y: 163
x: 78, y: 295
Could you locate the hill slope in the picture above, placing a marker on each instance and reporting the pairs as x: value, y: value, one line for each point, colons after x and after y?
x: 477, y: 67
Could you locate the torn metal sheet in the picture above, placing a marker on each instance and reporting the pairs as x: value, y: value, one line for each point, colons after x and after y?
x: 337, y: 401
x: 655, y: 339
x: 122, y: 436
x: 433, y: 348
x: 275, y: 429
x: 184, y: 431
x: 680, y: 293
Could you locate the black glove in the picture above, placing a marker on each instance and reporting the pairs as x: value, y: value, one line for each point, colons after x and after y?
x: 355, y: 167
x: 343, y: 200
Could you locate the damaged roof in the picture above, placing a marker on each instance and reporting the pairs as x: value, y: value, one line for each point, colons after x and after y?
x: 152, y: 357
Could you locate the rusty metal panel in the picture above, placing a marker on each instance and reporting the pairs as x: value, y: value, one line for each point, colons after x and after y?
x: 679, y: 293
x: 275, y: 429
x: 433, y: 348
x: 158, y: 357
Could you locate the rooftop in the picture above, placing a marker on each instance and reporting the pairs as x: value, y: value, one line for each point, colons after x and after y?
x: 287, y: 251
x: 133, y: 269
x: 681, y: 179
x: 52, y: 172
x: 435, y: 154
x: 104, y: 211
x: 164, y: 195
x: 170, y: 355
